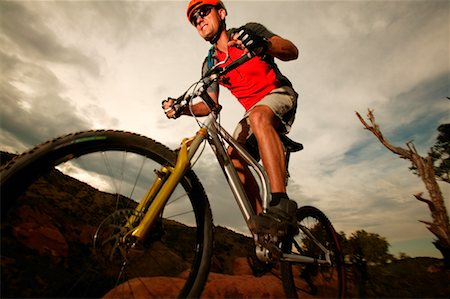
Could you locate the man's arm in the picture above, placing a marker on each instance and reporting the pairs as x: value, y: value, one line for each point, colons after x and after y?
x: 282, y: 49
x: 274, y: 45
x: 198, y: 109
x: 201, y: 109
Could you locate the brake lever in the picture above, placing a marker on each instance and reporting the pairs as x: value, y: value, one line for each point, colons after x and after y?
x: 215, y: 69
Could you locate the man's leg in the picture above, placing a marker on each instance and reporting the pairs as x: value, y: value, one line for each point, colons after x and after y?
x: 263, y: 124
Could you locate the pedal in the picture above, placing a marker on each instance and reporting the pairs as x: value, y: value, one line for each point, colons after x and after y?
x: 267, y: 249
x: 263, y: 254
x: 267, y: 224
x: 275, y: 252
x: 263, y: 225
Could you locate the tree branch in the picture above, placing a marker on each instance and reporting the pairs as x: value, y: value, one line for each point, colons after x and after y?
x: 427, y: 201
x: 374, y: 128
x: 440, y: 226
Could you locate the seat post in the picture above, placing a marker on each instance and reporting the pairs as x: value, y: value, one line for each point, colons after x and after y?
x: 288, y: 155
x: 290, y: 147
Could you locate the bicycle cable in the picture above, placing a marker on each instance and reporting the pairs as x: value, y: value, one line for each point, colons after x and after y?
x: 199, y: 123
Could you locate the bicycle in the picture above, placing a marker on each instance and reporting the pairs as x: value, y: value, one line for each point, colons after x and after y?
x: 161, y: 230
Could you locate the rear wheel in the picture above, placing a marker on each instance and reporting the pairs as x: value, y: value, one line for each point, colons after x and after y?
x: 64, y: 209
x: 324, y: 280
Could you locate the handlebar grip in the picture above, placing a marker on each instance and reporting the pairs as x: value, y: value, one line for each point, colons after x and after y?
x: 180, y: 103
x: 178, y: 110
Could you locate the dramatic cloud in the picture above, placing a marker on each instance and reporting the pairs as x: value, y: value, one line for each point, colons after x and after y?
x: 76, y: 65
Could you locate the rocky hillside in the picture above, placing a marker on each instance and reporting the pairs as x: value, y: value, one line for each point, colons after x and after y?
x: 49, y: 237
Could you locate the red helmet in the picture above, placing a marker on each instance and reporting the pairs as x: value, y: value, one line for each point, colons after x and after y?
x: 194, y: 4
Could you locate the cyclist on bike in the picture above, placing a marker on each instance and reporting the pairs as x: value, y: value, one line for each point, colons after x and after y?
x: 267, y: 96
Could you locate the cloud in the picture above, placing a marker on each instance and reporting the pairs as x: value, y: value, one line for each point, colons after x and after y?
x: 35, y: 40
x: 99, y: 64
x: 417, y: 112
x: 33, y: 89
x: 28, y: 95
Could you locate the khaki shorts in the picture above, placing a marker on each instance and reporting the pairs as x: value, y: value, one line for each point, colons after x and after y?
x: 282, y: 101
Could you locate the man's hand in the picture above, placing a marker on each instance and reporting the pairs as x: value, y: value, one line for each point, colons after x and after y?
x: 249, y: 41
x: 167, y: 106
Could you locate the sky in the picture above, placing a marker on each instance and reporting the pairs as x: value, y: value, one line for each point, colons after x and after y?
x: 68, y: 66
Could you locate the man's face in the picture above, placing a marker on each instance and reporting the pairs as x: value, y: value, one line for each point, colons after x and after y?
x: 207, y: 24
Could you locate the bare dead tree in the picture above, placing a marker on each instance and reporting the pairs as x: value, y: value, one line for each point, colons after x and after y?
x: 440, y: 225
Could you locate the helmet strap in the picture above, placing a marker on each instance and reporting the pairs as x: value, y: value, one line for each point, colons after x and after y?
x: 216, y: 37
x: 222, y: 27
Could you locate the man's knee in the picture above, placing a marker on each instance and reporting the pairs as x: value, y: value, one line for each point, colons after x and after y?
x: 261, y: 117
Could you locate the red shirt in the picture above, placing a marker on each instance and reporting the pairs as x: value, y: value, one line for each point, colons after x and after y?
x: 250, y: 82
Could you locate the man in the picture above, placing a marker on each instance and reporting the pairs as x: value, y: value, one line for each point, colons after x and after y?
x: 267, y: 96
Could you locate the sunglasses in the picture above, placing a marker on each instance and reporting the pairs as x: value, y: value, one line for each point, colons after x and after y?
x: 201, y: 13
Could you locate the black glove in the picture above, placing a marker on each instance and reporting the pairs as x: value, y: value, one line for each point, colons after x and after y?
x: 171, y: 108
x: 253, y: 42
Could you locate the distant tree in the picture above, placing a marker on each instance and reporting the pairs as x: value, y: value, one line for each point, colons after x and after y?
x: 362, y: 249
x: 440, y: 153
x: 368, y: 247
x: 403, y: 256
x: 343, y: 242
x: 425, y: 169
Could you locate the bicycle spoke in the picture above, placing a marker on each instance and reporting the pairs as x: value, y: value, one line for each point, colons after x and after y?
x: 137, y: 177
x: 179, y: 214
x: 173, y: 200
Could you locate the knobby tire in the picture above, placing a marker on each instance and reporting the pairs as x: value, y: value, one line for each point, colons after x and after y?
x: 36, y: 180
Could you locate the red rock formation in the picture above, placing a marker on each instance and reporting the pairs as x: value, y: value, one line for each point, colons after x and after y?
x: 38, y: 233
x: 158, y: 287
x: 241, y: 285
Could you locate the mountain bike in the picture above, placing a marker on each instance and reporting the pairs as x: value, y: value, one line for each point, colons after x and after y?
x: 145, y: 216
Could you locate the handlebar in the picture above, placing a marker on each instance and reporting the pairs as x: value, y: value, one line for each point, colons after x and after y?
x: 241, y: 60
x: 211, y: 76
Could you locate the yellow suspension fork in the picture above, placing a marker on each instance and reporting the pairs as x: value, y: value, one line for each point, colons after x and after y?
x: 161, y: 177
x: 165, y: 184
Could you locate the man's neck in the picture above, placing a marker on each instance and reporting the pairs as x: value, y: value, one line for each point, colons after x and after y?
x: 222, y: 43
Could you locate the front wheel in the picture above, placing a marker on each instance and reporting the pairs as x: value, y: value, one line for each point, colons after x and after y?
x: 325, y: 280
x: 65, y: 206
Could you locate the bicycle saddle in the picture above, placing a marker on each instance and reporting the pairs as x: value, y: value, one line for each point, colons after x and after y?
x: 290, y: 145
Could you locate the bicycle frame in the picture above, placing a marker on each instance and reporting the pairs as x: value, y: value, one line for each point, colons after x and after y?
x: 168, y: 177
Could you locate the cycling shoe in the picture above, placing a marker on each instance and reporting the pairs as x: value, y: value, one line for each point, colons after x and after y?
x: 280, y: 220
x: 266, y: 224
